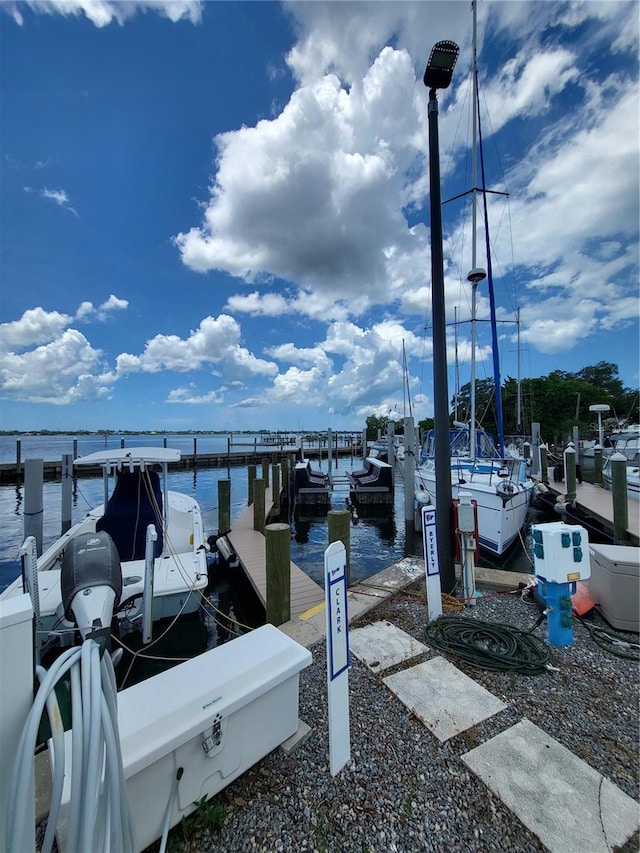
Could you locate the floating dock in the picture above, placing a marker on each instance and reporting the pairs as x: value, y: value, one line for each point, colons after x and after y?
x: 596, y: 503
x: 249, y: 545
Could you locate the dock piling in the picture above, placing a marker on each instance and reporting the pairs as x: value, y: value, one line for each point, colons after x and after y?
x: 251, y: 476
x: 33, y: 500
x: 278, y: 570
x: 570, y: 472
x: 339, y: 529
x: 275, y: 484
x: 544, y: 465
x: 597, y: 465
x: 67, y: 491
x: 620, y: 501
x: 258, y: 504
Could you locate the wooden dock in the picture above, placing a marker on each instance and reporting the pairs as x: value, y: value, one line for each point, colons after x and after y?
x: 249, y: 545
x: 597, y: 502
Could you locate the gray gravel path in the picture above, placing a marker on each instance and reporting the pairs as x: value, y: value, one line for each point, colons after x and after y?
x: 404, y: 790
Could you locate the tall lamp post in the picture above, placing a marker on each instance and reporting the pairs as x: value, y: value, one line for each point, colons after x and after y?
x: 437, y: 75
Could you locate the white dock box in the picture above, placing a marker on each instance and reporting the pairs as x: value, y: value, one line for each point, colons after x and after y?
x: 214, y: 715
x: 615, y: 584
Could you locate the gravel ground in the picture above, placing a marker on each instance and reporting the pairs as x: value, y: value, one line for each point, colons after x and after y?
x: 403, y: 790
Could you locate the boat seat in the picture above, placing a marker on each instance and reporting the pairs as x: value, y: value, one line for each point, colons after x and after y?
x: 135, y: 503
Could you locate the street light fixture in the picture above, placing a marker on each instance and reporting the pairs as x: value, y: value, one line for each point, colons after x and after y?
x: 442, y: 61
x: 437, y: 75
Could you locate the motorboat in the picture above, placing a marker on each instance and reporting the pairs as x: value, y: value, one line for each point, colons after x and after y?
x: 128, y: 764
x: 627, y: 444
x: 141, y: 553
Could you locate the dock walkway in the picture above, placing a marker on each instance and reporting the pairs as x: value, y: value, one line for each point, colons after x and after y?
x: 597, y: 502
x: 249, y: 545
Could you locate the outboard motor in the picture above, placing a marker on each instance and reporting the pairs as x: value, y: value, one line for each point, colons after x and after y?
x: 91, y: 582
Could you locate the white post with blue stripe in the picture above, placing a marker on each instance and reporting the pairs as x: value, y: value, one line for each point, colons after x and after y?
x: 335, y: 586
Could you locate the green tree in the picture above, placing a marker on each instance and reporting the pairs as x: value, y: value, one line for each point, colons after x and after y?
x: 375, y: 423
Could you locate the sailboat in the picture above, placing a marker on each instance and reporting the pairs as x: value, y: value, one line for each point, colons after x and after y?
x: 499, y: 485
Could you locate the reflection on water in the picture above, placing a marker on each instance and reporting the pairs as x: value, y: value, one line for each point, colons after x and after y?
x: 17, y: 510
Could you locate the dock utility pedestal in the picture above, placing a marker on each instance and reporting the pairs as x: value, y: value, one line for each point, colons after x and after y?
x: 214, y: 716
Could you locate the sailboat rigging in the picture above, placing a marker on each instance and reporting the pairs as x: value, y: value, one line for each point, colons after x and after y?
x: 500, y: 486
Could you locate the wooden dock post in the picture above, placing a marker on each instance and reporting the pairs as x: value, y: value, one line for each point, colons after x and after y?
x: 597, y: 464
x: 278, y: 568
x: 67, y: 491
x: 18, y: 458
x: 224, y: 506
x: 620, y: 500
x: 258, y: 504
x: 544, y: 464
x: 265, y: 470
x: 251, y: 476
x: 275, y: 484
x: 284, y: 469
x: 570, y: 472
x: 339, y: 527
x: 33, y: 500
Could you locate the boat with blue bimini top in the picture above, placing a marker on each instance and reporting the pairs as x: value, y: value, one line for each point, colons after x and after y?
x: 141, y: 554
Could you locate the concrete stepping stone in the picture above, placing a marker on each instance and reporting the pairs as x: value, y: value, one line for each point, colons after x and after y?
x: 381, y: 645
x: 444, y: 698
x: 558, y: 796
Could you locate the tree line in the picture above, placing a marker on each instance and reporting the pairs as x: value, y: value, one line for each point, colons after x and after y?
x: 558, y: 402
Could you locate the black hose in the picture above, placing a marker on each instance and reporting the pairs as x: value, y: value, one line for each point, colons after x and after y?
x: 488, y: 645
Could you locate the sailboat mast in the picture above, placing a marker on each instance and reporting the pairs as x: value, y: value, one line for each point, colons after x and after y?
x: 519, y: 418
x: 492, y: 300
x: 477, y: 274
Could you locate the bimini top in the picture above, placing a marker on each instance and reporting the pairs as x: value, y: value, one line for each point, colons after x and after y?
x: 130, y: 457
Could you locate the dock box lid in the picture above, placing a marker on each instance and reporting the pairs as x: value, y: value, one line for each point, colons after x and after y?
x: 618, y: 558
x: 161, y: 713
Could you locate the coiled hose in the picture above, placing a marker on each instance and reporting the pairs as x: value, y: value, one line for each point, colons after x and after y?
x: 488, y: 645
x: 98, y: 817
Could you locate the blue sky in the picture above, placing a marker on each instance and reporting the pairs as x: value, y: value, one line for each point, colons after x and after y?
x: 215, y: 215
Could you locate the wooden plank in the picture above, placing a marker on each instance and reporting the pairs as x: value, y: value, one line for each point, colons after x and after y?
x: 597, y: 502
x: 249, y: 545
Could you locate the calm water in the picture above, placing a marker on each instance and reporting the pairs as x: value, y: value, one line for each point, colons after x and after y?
x: 376, y: 542
x: 51, y: 448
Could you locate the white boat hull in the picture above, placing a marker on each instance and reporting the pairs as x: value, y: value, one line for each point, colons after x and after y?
x: 500, y: 519
x: 179, y: 573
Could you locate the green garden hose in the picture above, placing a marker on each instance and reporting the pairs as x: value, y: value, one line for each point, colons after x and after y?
x: 488, y: 645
